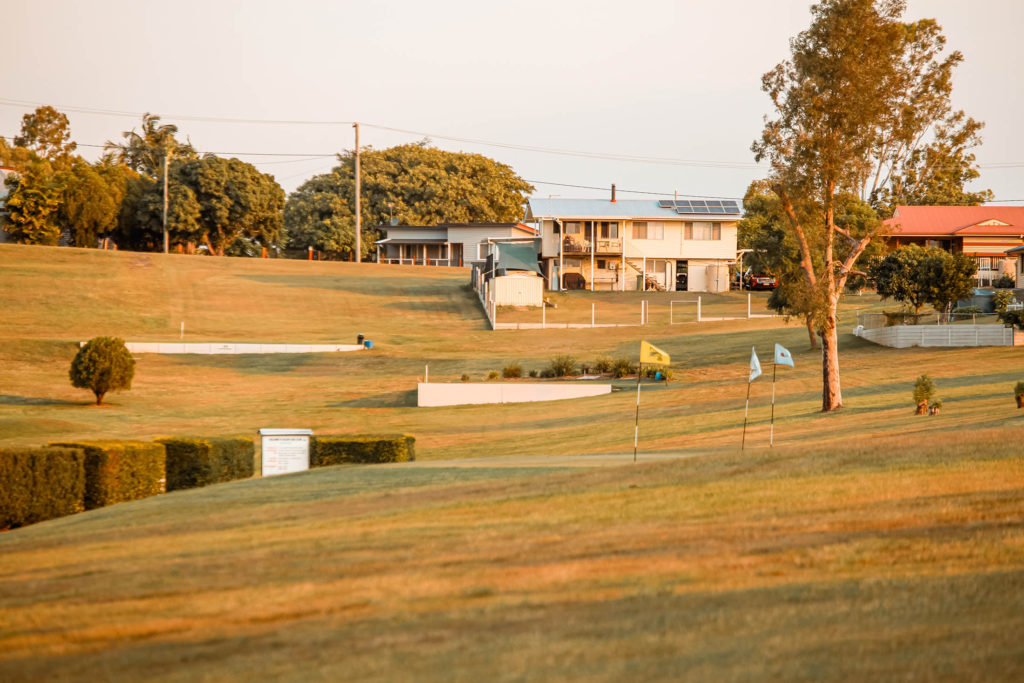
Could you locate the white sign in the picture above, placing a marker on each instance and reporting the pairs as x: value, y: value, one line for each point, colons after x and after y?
x: 285, y: 450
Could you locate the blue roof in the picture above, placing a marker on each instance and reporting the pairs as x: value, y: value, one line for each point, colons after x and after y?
x: 604, y: 208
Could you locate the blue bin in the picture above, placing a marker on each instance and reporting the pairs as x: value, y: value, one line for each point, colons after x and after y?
x: 368, y: 344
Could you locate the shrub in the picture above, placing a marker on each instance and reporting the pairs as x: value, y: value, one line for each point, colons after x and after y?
x: 512, y: 370
x: 1013, y: 318
x: 117, y: 471
x: 337, y: 450
x: 464, y: 378
x: 604, y: 365
x: 40, y: 483
x: 966, y: 312
x: 103, y: 364
x: 924, y: 390
x: 1002, y: 299
x: 622, y: 367
x: 1018, y: 389
x: 199, y: 462
x: 533, y: 373
x: 1005, y: 281
x: 493, y: 374
x: 562, y: 365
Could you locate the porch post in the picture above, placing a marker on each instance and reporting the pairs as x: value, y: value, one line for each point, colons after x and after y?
x: 593, y: 244
x: 622, y: 270
x: 561, y: 259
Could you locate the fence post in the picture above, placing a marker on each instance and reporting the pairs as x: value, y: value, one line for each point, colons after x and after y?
x: 543, y: 315
x: 748, y: 305
x: 698, y: 309
x: 592, y: 314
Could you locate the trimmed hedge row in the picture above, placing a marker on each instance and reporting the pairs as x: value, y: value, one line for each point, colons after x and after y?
x: 193, y: 462
x: 119, y: 471
x: 37, y: 484
x: 336, y: 450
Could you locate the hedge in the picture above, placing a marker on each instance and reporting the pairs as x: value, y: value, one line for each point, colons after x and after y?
x: 336, y: 450
x: 40, y: 483
x: 117, y: 471
x: 193, y: 462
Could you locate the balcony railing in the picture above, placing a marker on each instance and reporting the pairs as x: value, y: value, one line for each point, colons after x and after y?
x: 571, y: 245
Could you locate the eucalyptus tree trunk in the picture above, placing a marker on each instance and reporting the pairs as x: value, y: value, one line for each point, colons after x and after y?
x: 831, y: 394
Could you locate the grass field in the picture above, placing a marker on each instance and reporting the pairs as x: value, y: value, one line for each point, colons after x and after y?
x: 867, y: 544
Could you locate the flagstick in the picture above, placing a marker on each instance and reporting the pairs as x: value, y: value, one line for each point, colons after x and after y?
x: 745, y: 411
x: 771, y: 433
x: 636, y: 424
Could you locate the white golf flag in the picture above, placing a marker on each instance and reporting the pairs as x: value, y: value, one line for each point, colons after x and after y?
x: 755, y: 365
x: 783, y: 356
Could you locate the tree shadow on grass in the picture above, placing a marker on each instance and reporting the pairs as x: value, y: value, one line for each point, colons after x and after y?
x: 249, y: 363
x: 12, y: 400
x: 391, y: 399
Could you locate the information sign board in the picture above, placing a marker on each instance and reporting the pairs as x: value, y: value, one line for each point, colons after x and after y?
x: 285, y: 450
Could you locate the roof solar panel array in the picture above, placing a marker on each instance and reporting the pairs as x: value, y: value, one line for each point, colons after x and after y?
x: 701, y: 206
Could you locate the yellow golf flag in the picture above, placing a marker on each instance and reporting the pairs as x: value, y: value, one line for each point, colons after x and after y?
x: 649, y: 353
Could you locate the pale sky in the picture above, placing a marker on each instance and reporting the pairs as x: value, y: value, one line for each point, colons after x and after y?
x: 677, y: 80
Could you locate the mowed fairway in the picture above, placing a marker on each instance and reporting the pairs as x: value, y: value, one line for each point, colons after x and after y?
x: 867, y: 544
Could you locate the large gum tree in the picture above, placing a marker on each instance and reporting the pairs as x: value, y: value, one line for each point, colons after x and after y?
x: 862, y: 100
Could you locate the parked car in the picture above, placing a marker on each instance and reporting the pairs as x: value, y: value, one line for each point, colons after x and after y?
x: 760, y: 281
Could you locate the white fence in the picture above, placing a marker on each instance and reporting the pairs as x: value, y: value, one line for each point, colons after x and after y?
x: 905, y: 336
x: 212, y: 349
x: 429, y: 395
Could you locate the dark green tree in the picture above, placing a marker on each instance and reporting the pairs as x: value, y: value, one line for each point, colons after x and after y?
x: 33, y: 198
x: 416, y: 183
x: 47, y: 133
x: 925, y: 275
x: 91, y: 200
x: 103, y: 365
x: 861, y: 92
x: 897, y: 276
x: 240, y: 209
x: 140, y: 222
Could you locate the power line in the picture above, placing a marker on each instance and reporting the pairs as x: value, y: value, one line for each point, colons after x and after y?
x: 657, y: 194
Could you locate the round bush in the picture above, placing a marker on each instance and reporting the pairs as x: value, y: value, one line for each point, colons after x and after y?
x: 104, y: 364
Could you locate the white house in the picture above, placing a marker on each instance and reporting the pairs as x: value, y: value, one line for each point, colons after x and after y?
x: 447, y: 244
x: 669, y: 244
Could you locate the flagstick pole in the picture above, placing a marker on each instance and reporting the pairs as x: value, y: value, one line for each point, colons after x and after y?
x: 636, y: 424
x: 771, y: 432
x: 745, y: 411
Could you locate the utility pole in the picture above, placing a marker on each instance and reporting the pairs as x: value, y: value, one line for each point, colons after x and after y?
x: 359, y: 208
x: 167, y: 158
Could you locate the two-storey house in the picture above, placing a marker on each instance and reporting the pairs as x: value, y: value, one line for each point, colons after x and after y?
x: 623, y: 245
x: 447, y: 244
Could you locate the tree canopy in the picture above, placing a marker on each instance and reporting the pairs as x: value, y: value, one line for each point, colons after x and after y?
x: 919, y: 275
x: 416, y: 183
x: 103, y: 365
x: 861, y: 100
x: 47, y: 133
x: 144, y: 150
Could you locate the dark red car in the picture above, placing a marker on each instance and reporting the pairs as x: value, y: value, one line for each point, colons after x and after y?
x: 761, y: 281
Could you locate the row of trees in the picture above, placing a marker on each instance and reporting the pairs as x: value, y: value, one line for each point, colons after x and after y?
x: 226, y: 206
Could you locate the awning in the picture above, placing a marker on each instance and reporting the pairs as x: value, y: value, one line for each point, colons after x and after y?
x: 404, y: 240
x: 518, y: 257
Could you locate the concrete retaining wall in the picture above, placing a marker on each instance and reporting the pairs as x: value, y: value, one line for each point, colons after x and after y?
x: 208, y: 348
x: 905, y: 336
x: 428, y: 395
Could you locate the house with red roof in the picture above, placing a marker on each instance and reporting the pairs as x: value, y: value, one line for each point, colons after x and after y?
x: 992, y: 234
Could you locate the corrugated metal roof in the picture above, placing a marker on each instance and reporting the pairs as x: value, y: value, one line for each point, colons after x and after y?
x: 604, y: 208
x: 949, y: 220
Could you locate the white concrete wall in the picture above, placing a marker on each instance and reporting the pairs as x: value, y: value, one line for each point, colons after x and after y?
x: 430, y: 395
x: 213, y: 349
x: 904, y: 336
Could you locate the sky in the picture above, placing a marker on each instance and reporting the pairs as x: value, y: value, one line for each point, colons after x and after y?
x: 672, y: 86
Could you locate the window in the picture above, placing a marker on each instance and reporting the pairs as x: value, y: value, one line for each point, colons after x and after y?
x: 698, y: 230
x: 482, y: 250
x: 984, y: 263
x: 648, y: 230
x: 557, y: 227
x: 573, y: 263
x: 601, y: 263
x: 572, y: 227
x: 609, y: 230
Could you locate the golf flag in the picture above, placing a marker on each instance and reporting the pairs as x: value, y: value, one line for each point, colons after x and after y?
x: 755, y: 366
x: 649, y: 353
x: 783, y: 356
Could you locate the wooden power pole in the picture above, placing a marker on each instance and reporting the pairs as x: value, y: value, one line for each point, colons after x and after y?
x: 359, y: 208
x: 167, y: 158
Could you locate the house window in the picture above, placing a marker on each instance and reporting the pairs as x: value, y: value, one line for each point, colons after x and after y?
x: 609, y: 230
x: 572, y: 227
x: 573, y: 263
x: 984, y: 263
x: 556, y: 227
x: 699, y: 230
x: 601, y: 263
x: 648, y: 230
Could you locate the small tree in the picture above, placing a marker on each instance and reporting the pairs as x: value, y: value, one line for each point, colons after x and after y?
x: 103, y: 364
x: 924, y: 390
x: 925, y: 275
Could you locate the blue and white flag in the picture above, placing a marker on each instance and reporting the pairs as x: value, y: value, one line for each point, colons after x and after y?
x: 783, y: 356
x: 755, y: 365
